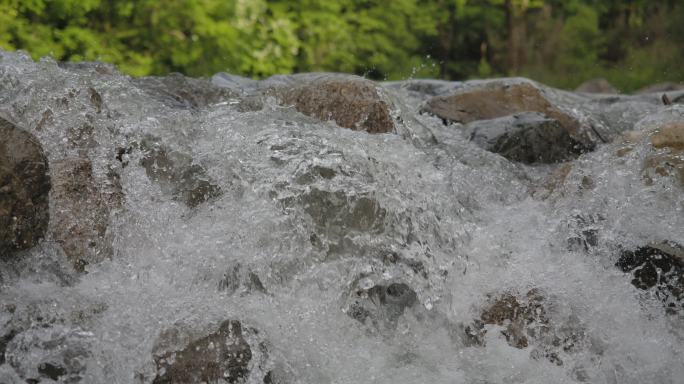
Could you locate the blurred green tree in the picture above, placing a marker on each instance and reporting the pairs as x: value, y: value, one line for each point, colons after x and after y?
x: 560, y: 42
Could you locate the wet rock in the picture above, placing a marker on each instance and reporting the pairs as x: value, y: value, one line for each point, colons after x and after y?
x: 585, y: 232
x: 221, y: 356
x: 339, y: 218
x: 81, y: 212
x: 380, y: 305
x: 599, y: 85
x: 524, y: 322
x: 335, y: 211
x: 178, y: 91
x: 553, y: 182
x: 350, y: 102
x: 521, y: 317
x: 660, y: 268
x: 669, y: 136
x: 24, y: 189
x: 177, y: 174
x: 621, y: 116
x: 498, y: 99
x: 527, y: 137
x: 55, y: 352
x: 667, y: 160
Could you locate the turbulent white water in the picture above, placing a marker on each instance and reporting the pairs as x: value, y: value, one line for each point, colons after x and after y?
x: 316, y: 211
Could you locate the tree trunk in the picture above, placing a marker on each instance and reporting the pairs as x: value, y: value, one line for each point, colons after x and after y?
x: 446, y: 37
x: 516, y: 19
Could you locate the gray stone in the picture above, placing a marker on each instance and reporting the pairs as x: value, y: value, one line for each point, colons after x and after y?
x: 526, y: 137
x: 24, y: 189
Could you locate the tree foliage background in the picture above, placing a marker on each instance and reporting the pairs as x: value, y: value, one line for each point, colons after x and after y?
x: 632, y: 43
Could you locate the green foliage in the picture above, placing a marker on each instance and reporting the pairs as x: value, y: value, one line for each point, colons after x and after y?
x: 630, y: 42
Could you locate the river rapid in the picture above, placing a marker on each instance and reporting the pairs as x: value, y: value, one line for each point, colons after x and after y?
x: 410, y: 256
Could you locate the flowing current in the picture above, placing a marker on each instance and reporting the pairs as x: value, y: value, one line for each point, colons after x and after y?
x: 406, y: 257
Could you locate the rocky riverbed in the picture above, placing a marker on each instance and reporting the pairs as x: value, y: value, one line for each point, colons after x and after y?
x: 325, y: 228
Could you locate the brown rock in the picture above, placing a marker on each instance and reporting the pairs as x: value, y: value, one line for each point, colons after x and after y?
x: 81, y: 212
x: 24, y: 189
x: 517, y: 315
x: 671, y: 138
x: 222, y: 356
x: 499, y: 100
x: 351, y: 103
x: 525, y: 323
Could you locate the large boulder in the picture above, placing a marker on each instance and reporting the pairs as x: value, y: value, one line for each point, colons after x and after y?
x: 527, y: 137
x: 497, y: 99
x: 351, y: 102
x: 24, y: 189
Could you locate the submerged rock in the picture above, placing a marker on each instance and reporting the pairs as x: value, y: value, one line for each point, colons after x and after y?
x: 350, y: 102
x: 50, y: 352
x: 222, y: 356
x: 525, y: 322
x: 380, y: 305
x: 658, y: 267
x: 81, y: 214
x: 177, y: 174
x: 528, y: 137
x: 338, y: 218
x: 178, y: 91
x: 24, y: 189
x: 599, y: 85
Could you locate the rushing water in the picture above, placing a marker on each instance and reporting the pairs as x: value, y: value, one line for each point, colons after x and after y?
x: 317, y: 212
